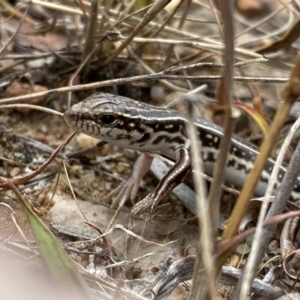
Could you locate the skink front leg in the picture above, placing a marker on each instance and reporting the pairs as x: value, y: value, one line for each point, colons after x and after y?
x: 176, y: 175
x: 128, y: 189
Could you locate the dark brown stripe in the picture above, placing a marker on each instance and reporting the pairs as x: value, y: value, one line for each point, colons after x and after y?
x: 169, y: 140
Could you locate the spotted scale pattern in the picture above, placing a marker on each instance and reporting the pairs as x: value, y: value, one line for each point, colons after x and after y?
x: 143, y: 127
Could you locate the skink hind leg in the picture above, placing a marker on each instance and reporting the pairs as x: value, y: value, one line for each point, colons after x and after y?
x: 176, y: 175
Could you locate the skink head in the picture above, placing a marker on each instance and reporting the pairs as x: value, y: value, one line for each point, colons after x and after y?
x: 127, y: 123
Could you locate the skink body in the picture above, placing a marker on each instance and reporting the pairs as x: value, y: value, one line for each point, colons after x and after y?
x: 146, y: 128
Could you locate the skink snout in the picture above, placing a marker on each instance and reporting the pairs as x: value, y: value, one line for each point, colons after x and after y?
x: 70, y: 117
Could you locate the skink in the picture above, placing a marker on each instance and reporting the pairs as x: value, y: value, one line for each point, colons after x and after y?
x: 146, y: 128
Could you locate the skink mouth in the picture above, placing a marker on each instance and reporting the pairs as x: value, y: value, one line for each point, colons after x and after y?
x: 70, y: 117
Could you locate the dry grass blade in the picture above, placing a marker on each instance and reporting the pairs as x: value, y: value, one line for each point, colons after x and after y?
x: 41, y: 108
x: 285, y: 42
x: 210, y: 229
x: 229, y: 244
x: 205, y: 244
x: 150, y: 14
x: 63, y: 273
x: 225, y: 100
x: 140, y: 78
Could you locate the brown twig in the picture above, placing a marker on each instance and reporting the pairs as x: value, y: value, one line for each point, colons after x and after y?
x: 24, y: 179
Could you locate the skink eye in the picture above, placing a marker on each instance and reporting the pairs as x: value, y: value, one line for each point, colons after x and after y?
x: 107, y: 119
